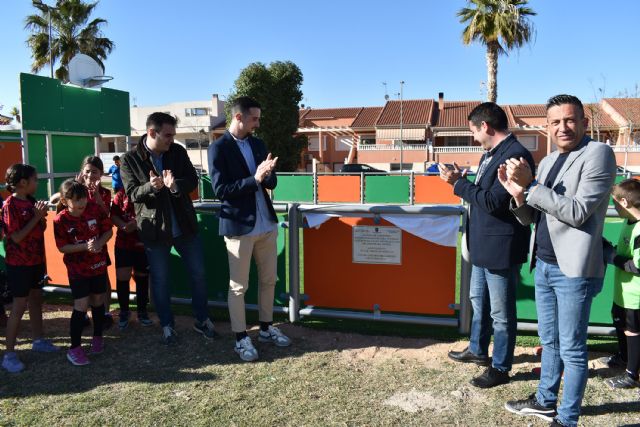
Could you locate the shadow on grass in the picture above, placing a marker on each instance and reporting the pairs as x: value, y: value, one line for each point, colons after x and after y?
x: 611, y: 408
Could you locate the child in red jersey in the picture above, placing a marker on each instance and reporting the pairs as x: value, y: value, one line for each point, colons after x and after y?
x: 130, y: 256
x: 24, y: 222
x: 3, y: 315
x: 82, y: 230
x: 91, y: 172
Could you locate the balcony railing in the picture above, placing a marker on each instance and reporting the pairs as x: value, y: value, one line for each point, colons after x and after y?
x: 392, y: 147
x: 626, y: 148
x: 458, y: 149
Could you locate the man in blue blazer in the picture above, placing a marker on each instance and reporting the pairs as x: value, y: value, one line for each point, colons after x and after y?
x: 241, y: 172
x: 497, y: 245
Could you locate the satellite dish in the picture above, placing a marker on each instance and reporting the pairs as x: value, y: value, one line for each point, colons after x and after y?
x: 85, y: 71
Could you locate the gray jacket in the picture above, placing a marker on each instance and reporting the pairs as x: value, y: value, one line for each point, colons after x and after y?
x: 575, y: 207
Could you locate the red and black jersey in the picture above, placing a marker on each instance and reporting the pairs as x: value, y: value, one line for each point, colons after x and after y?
x: 16, y: 213
x: 123, y: 208
x: 71, y: 230
x: 105, y: 195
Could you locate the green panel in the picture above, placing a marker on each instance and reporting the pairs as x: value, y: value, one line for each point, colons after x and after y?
x: 386, y: 189
x: 10, y: 136
x: 601, y: 307
x: 42, y: 193
x: 68, y: 152
x: 81, y: 109
x: 115, y: 112
x: 41, y: 103
x: 294, y: 188
x: 217, y: 267
x: 205, y: 188
x: 37, y: 152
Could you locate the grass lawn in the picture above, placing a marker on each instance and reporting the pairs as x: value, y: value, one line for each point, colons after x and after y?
x: 336, y: 373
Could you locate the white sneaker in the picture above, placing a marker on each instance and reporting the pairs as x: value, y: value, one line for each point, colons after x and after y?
x: 275, y: 336
x: 246, y: 350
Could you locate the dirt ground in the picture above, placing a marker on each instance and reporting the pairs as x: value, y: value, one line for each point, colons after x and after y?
x: 325, y: 378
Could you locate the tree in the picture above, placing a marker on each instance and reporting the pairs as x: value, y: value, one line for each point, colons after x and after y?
x: 500, y: 25
x: 277, y: 88
x: 72, y: 33
x: 15, y: 113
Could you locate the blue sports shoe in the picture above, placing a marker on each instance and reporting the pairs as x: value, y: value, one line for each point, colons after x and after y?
x: 11, y: 363
x: 44, y: 346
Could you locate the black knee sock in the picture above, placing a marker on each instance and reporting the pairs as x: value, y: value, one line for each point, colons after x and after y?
x: 122, y: 287
x: 142, y: 292
x: 241, y: 335
x: 619, y: 325
x: 98, y: 318
x: 633, y: 355
x: 264, y: 326
x: 75, y: 327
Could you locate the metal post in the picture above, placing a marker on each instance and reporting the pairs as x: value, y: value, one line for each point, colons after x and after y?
x: 411, y: 190
x: 464, y: 315
x: 401, y: 139
x: 362, y: 188
x: 96, y: 144
x: 49, y: 146
x: 294, y: 264
x: 25, y: 146
x: 50, y: 42
x: 315, y: 187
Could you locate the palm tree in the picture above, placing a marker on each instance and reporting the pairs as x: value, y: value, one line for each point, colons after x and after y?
x: 72, y: 33
x: 16, y: 113
x: 500, y: 25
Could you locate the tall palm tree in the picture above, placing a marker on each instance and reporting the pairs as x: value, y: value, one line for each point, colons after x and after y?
x: 72, y: 33
x: 500, y: 25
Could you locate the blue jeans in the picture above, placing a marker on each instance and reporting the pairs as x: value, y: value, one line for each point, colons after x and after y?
x: 191, y: 251
x: 493, y: 298
x: 563, y: 304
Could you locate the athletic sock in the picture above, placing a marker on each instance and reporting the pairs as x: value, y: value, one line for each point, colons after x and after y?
x: 241, y: 335
x: 98, y: 318
x: 633, y: 355
x: 142, y: 292
x: 264, y: 326
x: 122, y: 288
x: 75, y: 327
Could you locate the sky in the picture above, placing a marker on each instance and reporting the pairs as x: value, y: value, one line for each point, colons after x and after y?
x: 167, y: 51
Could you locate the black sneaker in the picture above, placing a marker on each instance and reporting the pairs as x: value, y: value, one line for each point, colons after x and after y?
x: 467, y: 356
x: 530, y: 406
x: 206, y: 329
x: 556, y: 423
x: 107, y: 322
x: 169, y: 336
x: 491, y: 377
x: 615, y: 361
x: 623, y: 381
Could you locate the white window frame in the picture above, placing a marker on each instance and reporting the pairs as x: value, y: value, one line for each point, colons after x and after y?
x: 342, y: 146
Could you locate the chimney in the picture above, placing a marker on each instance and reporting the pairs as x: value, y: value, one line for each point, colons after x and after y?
x: 441, y: 101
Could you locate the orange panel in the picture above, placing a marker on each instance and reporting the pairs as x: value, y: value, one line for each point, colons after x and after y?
x: 424, y: 283
x: 433, y: 190
x: 55, y: 266
x: 339, y: 188
x: 10, y: 153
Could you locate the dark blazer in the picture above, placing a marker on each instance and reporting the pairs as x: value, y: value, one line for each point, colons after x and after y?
x: 153, y: 213
x: 235, y: 186
x: 495, y: 238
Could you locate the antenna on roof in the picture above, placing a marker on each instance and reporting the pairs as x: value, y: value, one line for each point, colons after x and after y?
x: 84, y: 71
x: 386, y: 95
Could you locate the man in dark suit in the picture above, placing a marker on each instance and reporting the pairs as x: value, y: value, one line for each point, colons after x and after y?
x: 497, y: 244
x: 241, y: 171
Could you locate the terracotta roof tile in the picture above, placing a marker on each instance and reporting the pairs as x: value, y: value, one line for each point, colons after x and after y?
x: 414, y: 112
x: 332, y: 113
x: 455, y: 113
x: 602, y: 118
x: 529, y: 110
x: 629, y: 108
x: 367, y: 117
x: 301, y: 114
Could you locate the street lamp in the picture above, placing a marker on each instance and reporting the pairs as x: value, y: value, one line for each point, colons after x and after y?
x: 48, y: 9
x: 401, y: 140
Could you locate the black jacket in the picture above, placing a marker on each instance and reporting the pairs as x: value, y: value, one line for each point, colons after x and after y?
x: 495, y: 238
x: 235, y: 186
x: 153, y: 213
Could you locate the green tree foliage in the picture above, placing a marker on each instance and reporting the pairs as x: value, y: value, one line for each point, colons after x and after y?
x: 500, y: 25
x: 72, y: 33
x: 277, y: 88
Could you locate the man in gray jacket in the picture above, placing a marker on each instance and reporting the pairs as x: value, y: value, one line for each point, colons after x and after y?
x: 567, y: 204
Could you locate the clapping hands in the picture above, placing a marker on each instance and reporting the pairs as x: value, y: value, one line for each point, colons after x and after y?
x: 265, y: 168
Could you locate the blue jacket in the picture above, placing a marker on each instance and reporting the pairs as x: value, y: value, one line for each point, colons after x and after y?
x: 235, y: 186
x: 495, y: 238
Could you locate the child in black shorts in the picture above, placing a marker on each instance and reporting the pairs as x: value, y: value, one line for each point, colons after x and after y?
x: 130, y: 257
x: 24, y: 222
x: 81, y: 231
